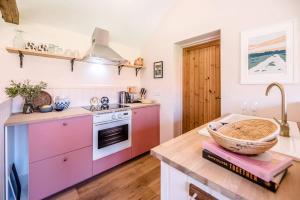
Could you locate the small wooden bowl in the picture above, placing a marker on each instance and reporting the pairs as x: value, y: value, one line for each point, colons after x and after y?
x: 241, y: 146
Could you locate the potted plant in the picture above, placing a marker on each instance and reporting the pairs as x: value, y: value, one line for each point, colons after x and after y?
x: 27, y: 91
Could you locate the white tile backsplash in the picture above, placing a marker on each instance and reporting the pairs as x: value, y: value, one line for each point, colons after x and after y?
x: 78, y: 96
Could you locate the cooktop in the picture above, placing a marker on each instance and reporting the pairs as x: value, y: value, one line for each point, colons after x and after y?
x: 104, y: 107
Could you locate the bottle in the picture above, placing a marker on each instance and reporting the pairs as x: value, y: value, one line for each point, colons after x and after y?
x: 18, y: 41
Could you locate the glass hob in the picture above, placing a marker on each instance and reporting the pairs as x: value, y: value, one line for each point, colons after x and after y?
x: 105, y: 107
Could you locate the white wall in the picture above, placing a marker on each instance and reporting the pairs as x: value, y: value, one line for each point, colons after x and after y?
x: 5, y: 111
x: 57, y: 73
x: 191, y: 18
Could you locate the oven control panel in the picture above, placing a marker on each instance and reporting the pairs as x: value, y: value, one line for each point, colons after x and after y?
x: 114, y: 116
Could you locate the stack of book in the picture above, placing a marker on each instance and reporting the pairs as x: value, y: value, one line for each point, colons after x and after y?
x: 266, y: 173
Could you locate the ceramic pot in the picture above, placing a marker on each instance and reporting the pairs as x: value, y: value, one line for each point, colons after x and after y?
x: 61, y: 103
x: 27, y: 108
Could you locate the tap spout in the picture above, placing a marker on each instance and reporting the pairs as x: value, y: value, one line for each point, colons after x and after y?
x: 284, y: 126
x: 283, y: 102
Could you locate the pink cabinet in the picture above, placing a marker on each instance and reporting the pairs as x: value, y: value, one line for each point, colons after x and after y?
x: 51, y: 138
x: 145, y: 129
x: 55, y: 174
x: 60, y: 155
x: 110, y: 161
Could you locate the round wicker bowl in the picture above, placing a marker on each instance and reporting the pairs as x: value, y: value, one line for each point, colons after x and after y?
x: 246, y: 147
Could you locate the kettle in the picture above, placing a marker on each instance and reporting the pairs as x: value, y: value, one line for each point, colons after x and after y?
x: 124, y: 97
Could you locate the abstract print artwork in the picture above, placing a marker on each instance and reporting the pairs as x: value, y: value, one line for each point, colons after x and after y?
x: 267, y: 55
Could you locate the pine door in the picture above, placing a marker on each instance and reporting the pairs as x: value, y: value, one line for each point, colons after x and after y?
x: 201, y: 84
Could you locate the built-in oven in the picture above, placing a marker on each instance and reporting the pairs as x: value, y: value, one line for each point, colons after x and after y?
x: 111, y: 133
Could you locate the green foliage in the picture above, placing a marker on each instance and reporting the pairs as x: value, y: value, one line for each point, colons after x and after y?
x: 25, y: 90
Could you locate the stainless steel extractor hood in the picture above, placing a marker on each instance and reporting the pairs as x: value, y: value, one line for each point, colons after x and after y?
x: 100, y: 52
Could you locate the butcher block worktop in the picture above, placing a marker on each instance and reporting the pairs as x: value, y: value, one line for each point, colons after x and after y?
x: 20, y: 118
x: 141, y: 105
x: 185, y: 154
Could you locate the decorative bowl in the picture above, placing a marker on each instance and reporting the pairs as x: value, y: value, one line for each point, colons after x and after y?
x: 62, y: 105
x: 45, y: 108
x: 241, y: 146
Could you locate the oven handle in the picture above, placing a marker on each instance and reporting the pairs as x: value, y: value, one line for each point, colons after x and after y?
x: 99, y: 124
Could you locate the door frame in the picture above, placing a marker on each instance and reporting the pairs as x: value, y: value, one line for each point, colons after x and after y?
x: 195, y: 41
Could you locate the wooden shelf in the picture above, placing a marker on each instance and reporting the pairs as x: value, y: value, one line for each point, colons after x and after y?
x: 23, y: 52
x: 137, y: 68
x: 133, y: 66
x: 40, y: 54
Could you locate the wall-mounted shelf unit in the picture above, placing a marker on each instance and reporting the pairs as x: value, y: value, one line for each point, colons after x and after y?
x: 137, y: 68
x: 23, y: 52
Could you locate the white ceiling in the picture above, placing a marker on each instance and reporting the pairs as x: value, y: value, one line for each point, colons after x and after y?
x: 129, y: 21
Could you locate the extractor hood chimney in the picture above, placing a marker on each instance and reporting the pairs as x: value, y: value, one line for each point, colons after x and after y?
x: 100, y: 52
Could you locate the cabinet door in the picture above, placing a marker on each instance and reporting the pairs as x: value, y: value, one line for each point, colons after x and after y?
x: 145, y: 129
x: 51, y: 138
x: 52, y: 175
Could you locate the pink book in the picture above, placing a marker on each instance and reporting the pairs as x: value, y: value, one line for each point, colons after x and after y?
x: 265, y: 170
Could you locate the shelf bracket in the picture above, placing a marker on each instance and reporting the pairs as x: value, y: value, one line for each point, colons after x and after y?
x: 72, y: 64
x: 119, y: 69
x: 137, y: 70
x: 21, y: 56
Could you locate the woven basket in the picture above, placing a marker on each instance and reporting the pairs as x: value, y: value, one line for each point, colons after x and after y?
x: 247, y: 147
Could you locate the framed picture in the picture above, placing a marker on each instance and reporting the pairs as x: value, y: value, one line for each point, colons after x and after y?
x: 267, y: 55
x: 158, y: 69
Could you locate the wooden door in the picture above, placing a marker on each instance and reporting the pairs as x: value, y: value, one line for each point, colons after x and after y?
x: 201, y: 84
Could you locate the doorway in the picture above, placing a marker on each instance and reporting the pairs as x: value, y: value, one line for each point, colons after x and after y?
x: 201, y: 85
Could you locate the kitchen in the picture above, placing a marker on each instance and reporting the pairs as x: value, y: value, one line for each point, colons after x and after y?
x: 155, y: 41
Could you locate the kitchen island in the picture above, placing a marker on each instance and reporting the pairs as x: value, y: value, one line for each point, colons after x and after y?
x: 182, y: 165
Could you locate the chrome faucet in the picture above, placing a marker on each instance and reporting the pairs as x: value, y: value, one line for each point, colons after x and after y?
x: 284, y: 126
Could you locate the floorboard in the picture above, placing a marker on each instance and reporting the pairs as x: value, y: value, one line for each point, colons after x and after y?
x: 136, y: 179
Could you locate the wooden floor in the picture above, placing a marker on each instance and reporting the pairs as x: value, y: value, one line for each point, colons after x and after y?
x: 135, y: 179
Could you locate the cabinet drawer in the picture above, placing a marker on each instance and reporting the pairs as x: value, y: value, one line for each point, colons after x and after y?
x: 110, y: 161
x: 199, y: 194
x: 55, y: 174
x: 51, y: 138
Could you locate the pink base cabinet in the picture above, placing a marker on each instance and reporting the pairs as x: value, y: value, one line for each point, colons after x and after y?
x: 55, y: 174
x: 145, y: 129
x: 51, y: 138
x: 60, y: 151
x: 108, y: 162
x: 60, y: 155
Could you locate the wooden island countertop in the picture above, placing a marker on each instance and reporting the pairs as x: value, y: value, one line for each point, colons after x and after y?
x: 185, y: 154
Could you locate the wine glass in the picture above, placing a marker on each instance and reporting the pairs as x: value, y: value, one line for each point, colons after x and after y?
x: 244, y: 108
x: 253, y: 108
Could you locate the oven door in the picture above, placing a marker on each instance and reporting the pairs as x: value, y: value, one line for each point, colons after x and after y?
x: 110, y: 138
